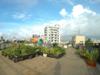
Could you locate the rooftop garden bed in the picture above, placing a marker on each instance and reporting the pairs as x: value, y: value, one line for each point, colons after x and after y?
x: 21, y: 52
x: 90, y: 56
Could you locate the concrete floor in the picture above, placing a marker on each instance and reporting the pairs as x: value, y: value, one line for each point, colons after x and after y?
x: 70, y: 64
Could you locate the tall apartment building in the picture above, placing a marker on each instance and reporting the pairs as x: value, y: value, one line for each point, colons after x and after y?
x: 52, y: 33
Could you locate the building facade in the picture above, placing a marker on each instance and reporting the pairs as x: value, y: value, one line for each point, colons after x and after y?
x: 52, y: 33
x: 78, y: 39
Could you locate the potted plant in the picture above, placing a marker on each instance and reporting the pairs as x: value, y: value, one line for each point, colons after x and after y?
x: 82, y: 53
x: 91, y: 57
x: 45, y: 51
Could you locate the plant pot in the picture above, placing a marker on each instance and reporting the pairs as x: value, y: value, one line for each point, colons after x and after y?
x: 44, y: 55
x: 91, y: 63
x: 25, y: 57
x: 55, y: 56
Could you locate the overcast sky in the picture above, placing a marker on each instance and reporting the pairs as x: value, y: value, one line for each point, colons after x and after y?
x: 22, y: 18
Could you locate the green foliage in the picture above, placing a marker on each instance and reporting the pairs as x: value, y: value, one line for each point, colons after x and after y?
x: 92, y: 55
x: 45, y: 50
x: 88, y: 43
x: 19, y: 50
x: 55, y: 45
x: 57, y: 51
x: 81, y: 52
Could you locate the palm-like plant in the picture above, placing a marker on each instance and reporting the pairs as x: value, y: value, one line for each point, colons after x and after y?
x: 92, y: 55
x: 45, y: 50
x: 57, y: 51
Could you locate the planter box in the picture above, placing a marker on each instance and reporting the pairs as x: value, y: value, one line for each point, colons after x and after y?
x: 20, y: 58
x: 31, y: 56
x: 16, y: 59
x: 25, y: 57
x: 55, y: 56
x: 91, y: 63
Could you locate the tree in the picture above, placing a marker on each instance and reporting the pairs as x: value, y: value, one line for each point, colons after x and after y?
x: 89, y: 42
x: 55, y: 45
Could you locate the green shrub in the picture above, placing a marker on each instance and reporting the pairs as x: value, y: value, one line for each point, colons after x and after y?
x: 57, y: 51
x: 92, y: 55
x: 89, y: 43
x: 45, y: 50
x: 27, y: 50
x: 55, y: 44
x: 20, y: 50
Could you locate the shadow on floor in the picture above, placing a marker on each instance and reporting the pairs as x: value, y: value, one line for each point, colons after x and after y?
x: 57, y: 69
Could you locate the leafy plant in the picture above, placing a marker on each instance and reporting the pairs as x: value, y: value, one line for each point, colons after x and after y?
x: 45, y: 50
x: 55, y: 45
x: 20, y: 50
x: 92, y: 55
x: 27, y: 50
x: 57, y: 51
x: 81, y: 52
x: 88, y: 43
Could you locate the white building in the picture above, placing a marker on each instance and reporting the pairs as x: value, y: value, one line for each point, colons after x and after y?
x: 52, y: 33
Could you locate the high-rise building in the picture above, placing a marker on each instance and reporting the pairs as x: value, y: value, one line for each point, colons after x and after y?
x: 52, y: 33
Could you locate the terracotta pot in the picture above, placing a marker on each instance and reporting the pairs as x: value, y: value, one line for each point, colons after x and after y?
x: 91, y: 63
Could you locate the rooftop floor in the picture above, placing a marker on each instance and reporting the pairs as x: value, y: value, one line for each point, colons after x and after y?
x: 70, y: 64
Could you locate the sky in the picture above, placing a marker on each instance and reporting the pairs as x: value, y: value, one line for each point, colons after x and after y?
x: 21, y: 18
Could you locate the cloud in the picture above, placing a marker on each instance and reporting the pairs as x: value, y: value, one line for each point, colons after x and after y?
x: 26, y: 31
x: 93, y: 25
x: 79, y: 10
x: 21, y: 16
x: 63, y: 12
x: 81, y: 18
x: 87, y: 24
